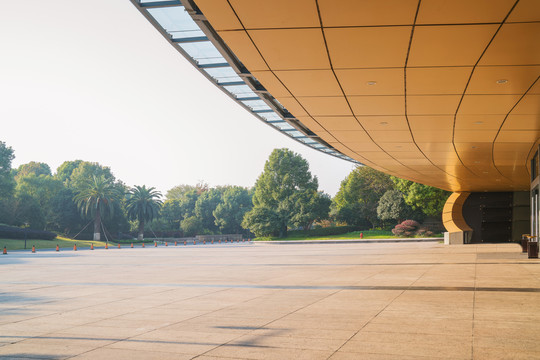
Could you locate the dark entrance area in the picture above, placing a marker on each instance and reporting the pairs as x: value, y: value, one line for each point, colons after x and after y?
x: 497, y: 217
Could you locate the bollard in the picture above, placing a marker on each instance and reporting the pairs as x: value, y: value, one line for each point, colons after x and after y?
x: 106, y: 246
x: 155, y: 243
x: 142, y: 244
x: 75, y: 247
x: 33, y: 248
x: 119, y: 246
x: 5, y: 251
x: 92, y: 246
x: 57, y: 248
x: 132, y: 245
x: 361, y: 235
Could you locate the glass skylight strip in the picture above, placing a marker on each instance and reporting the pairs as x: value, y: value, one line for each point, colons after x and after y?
x: 176, y: 21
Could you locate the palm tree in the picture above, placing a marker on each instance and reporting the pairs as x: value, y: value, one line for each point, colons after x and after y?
x: 143, y: 205
x: 96, y: 196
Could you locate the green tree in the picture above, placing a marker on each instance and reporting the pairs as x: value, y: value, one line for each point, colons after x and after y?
x: 315, y: 208
x: 263, y: 221
x: 33, y: 168
x: 86, y: 170
x: 64, y: 171
x: 191, y: 226
x: 228, y: 215
x: 283, y: 187
x: 392, y: 206
x: 96, y: 197
x: 143, y: 205
x: 7, y: 184
x: 171, y: 214
x: 358, y: 196
x: 44, y: 189
x: 205, y: 206
x: 428, y: 199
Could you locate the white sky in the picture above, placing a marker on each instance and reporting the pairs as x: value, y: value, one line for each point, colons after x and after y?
x: 93, y: 80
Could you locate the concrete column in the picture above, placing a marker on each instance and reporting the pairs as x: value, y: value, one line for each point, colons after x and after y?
x: 458, y: 232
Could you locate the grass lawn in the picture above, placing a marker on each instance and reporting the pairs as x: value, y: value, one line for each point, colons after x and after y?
x: 368, y: 234
x: 18, y: 244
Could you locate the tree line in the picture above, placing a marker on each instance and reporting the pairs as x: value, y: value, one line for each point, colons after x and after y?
x: 86, y: 195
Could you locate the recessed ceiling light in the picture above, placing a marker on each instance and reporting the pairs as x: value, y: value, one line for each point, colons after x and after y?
x: 383, y: 123
x: 497, y: 179
x: 478, y: 122
x: 477, y: 162
x: 399, y: 146
x: 473, y: 147
x: 372, y: 83
x: 502, y: 81
x: 485, y: 172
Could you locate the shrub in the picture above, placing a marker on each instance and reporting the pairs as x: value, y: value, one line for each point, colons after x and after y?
x: 327, y: 231
x: 407, y: 228
x: 12, y: 232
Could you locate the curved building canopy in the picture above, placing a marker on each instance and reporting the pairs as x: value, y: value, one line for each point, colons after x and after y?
x: 444, y: 93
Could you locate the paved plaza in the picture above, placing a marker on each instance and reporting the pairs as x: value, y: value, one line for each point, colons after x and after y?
x: 266, y: 301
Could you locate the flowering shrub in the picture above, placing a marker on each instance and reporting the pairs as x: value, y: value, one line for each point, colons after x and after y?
x: 407, y: 228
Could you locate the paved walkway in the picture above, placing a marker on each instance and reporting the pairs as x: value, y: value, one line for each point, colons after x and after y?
x: 250, y: 301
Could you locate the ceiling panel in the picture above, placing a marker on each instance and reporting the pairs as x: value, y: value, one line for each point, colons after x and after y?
x: 515, y: 44
x: 271, y: 14
x: 312, y: 124
x: 326, y: 136
x: 325, y: 106
x: 399, y: 147
x: 529, y: 105
x: 479, y: 122
x: 526, y: 10
x: 436, y: 147
x: 292, y: 49
x: 463, y: 11
x: 431, y: 122
x: 351, y: 136
x: 310, y: 82
x: 522, y: 122
x: 527, y: 136
x: 487, y: 104
x: 241, y: 45
x: 475, y: 135
x: 377, y: 105
x: 372, y: 81
x: 457, y: 45
x: 220, y: 14
x: 391, y: 136
x: 432, y: 104
x: 367, y: 145
x: 383, y: 122
x: 438, y: 80
x: 293, y: 106
x: 502, y: 79
x: 339, y: 123
x: 372, y: 47
x: 271, y: 83
x: 434, y: 136
x: 367, y: 12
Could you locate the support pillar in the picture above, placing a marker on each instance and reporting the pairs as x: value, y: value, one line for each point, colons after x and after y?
x: 458, y: 231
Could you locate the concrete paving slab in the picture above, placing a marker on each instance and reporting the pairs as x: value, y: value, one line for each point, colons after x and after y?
x: 252, y: 301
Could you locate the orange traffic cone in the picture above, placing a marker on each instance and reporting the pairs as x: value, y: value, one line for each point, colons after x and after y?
x: 132, y: 245
x: 5, y: 251
x: 142, y: 244
x: 361, y: 235
x: 212, y: 241
x: 194, y: 242
x: 92, y: 246
x: 75, y: 247
x: 204, y: 242
x: 155, y: 243
x: 57, y: 248
x: 166, y: 244
x: 175, y: 243
x: 33, y: 248
x: 106, y: 246
x: 220, y: 241
x: 119, y: 246
x: 185, y: 243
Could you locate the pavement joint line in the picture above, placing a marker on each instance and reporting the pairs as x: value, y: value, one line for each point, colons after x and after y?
x: 310, y: 287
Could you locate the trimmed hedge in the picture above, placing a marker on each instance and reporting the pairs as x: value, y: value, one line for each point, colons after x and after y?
x: 327, y: 231
x: 12, y: 232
